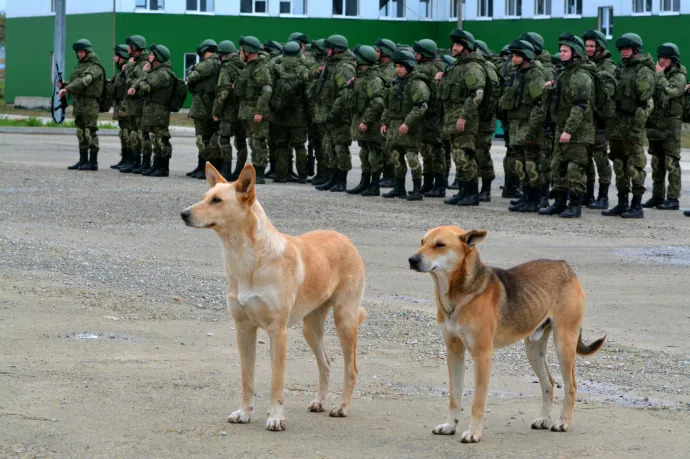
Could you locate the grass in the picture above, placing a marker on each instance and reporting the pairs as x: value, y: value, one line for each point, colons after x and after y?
x: 35, y: 122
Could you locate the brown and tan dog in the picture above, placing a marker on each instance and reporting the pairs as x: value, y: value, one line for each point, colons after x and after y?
x: 482, y: 308
x: 276, y: 280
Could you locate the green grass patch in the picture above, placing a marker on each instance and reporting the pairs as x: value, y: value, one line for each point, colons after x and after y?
x: 35, y: 122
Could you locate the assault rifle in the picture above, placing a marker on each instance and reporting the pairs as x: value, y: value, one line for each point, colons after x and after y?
x: 59, y: 104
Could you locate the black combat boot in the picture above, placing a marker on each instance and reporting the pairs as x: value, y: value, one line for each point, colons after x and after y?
x: 453, y: 200
x: 416, y: 193
x: 226, y: 170
x: 199, y: 167
x: 154, y: 166
x: 439, y: 190
x: 602, y: 201
x: 485, y: 193
x: 271, y: 169
x: 92, y: 165
x: 669, y: 204
x: 621, y: 207
x: 83, y: 159
x: 531, y: 204
x: 292, y: 176
x: 455, y: 185
x: 340, y: 183
x: 162, y: 169
x: 145, y: 165
x: 428, y: 183
x: 238, y: 170
x: 364, y: 183
x: 471, y: 197
x: 123, y: 159
x: 260, y: 178
x: 686, y: 213
x: 510, y: 190
x: 559, y: 205
x: 130, y: 166
x: 544, y: 196
x: 374, y: 188
x: 636, y: 210
x: 653, y: 202
x: 574, y: 209
x: 589, y: 197
x: 398, y: 190
x: 332, y: 176
x: 388, y: 179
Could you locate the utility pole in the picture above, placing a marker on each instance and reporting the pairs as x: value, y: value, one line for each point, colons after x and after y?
x: 59, y: 42
x: 459, y: 3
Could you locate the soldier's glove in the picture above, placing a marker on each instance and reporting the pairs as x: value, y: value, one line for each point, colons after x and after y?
x: 331, y: 118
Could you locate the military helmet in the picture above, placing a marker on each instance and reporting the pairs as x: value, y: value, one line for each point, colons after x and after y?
x: 448, y: 59
x: 161, y: 52
x: 574, y: 42
x: 336, y: 42
x: 292, y: 48
x: 405, y: 58
x: 556, y: 59
x: 535, y: 39
x: 250, y: 44
x: 630, y: 40
x: 300, y: 37
x: 595, y: 35
x: 426, y: 48
x: 122, y: 51
x: 669, y: 50
x: 483, y: 48
x: 206, y: 46
x: 386, y: 46
x: 82, y: 45
x: 365, y: 55
x: 522, y: 48
x: 226, y: 47
x: 319, y: 45
x: 136, y: 41
x: 272, y: 45
x: 505, y: 51
x: 464, y: 38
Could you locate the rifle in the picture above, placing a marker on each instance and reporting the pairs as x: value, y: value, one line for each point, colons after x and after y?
x: 58, y: 104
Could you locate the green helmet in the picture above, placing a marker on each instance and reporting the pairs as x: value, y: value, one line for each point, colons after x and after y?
x: 448, y: 59
x: 319, y: 45
x: 464, y: 38
x: 386, y: 46
x: 122, y: 51
x: 595, y: 35
x: 630, y: 40
x: 483, y: 48
x: 336, y: 42
x: 292, y: 48
x: 250, y: 44
x: 226, y: 47
x: 556, y: 59
x: 161, y: 52
x: 136, y: 42
x: 522, y: 48
x: 365, y: 55
x: 535, y: 39
x: 426, y: 48
x: 669, y: 50
x: 82, y: 45
x: 505, y: 51
x: 273, y: 46
x: 207, y: 46
x: 405, y: 58
x: 300, y: 37
x: 574, y: 42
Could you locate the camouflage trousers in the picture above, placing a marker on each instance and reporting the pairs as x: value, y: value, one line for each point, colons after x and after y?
x: 547, y: 152
x: 528, y: 164
x: 258, y: 135
x: 447, y: 156
x: 160, y: 142
x: 485, y: 164
x: 570, y: 167
x: 87, y: 133
x: 464, y: 156
x: 371, y: 155
x: 336, y: 145
x: 224, y: 134
x: 665, y: 158
x: 317, y: 131
x: 629, y: 162
x: 404, y: 156
x: 286, y: 138
x: 206, y: 143
x: 600, y: 157
x: 509, y: 169
x: 433, y: 160
x: 139, y: 139
x: 123, y: 135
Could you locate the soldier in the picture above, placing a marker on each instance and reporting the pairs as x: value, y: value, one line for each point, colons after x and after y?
x: 202, y: 81
x: 634, y: 102
x: 226, y: 107
x: 119, y: 81
x: 366, y: 99
x: 462, y: 93
x: 433, y: 165
x: 275, y: 53
x: 139, y: 141
x: 384, y: 50
x: 505, y: 70
x: 309, y: 60
x: 332, y: 109
x: 572, y: 108
x: 318, y: 48
x: 254, y: 91
x: 522, y: 100
x: 595, y: 46
x: 307, y: 55
x: 157, y: 85
x: 664, y: 126
x: 85, y: 85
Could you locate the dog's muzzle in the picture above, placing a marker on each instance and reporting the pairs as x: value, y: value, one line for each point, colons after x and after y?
x: 186, y: 216
x: 415, y: 261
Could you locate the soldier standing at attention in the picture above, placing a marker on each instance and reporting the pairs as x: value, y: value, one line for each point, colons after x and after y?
x: 275, y: 52
x: 139, y: 141
x: 384, y: 50
x: 119, y: 92
x: 664, y: 126
x: 319, y: 51
x: 634, y: 103
x: 85, y: 85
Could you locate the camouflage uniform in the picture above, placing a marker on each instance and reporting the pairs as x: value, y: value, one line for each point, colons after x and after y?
x: 506, y: 69
x: 226, y: 108
x: 387, y: 74
x: 487, y: 127
x: 275, y: 55
x: 139, y: 140
x: 600, y: 153
x: 547, y: 148
x: 317, y: 128
x: 202, y: 81
x: 433, y: 163
x: 119, y: 93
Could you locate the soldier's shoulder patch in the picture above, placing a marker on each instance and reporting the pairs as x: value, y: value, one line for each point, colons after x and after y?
x: 471, y: 79
x: 643, y: 84
x: 535, y: 90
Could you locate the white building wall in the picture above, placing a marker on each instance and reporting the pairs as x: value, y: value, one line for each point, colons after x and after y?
x: 33, y: 8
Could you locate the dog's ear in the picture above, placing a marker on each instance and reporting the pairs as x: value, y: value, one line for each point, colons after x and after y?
x: 473, y: 237
x: 213, y: 176
x: 245, y: 184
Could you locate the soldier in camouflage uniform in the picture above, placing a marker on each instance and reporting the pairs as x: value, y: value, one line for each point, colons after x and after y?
x: 634, y: 102
x: 139, y: 141
x: 595, y: 46
x: 318, y: 48
x: 118, y: 82
x: 522, y: 100
x: 85, y: 85
x: 433, y: 164
x: 405, y: 107
x: 156, y: 86
x: 572, y: 108
x: 274, y: 50
x: 384, y: 50
x: 487, y: 122
x: 511, y: 185
x: 366, y: 100
x: 226, y: 107
x: 254, y: 91
x: 663, y: 128
x: 333, y: 110
x: 202, y: 81
x: 309, y: 60
x: 462, y: 92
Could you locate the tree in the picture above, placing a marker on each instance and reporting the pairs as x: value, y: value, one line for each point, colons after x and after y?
x: 3, y: 21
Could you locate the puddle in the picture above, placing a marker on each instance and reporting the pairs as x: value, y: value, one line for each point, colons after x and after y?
x: 100, y: 336
x: 664, y: 255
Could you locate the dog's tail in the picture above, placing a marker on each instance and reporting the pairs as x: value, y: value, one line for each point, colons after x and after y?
x: 362, y: 315
x: 584, y: 349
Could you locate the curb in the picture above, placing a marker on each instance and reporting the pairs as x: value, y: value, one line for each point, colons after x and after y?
x: 72, y: 131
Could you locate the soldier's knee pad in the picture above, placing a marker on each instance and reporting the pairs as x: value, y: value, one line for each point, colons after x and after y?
x: 80, y: 135
x: 618, y: 167
x: 200, y: 143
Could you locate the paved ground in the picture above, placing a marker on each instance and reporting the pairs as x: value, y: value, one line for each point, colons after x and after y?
x: 116, y: 340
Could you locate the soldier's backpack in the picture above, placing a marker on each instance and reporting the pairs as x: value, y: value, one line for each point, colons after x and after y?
x: 604, y: 95
x: 493, y: 89
x: 178, y: 94
x: 288, y: 89
x: 686, y: 107
x: 107, y: 97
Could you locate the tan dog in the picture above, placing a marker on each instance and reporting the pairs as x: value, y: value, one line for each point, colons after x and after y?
x: 482, y: 308
x: 276, y: 280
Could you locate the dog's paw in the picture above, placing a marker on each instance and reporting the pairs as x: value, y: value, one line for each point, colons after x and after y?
x: 541, y: 423
x: 560, y: 426
x: 239, y: 417
x: 339, y: 411
x: 317, y: 406
x: 444, y: 429
x: 276, y: 424
x: 470, y: 437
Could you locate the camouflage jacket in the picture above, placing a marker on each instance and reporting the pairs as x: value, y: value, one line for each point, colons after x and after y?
x: 572, y: 101
x: 299, y: 112
x: 461, y: 92
x: 550, y: 73
x: 406, y: 103
x: 202, y: 82
x: 226, y: 105
x: 134, y: 69
x: 254, y: 88
x: 492, y: 94
x: 86, y: 86
x: 119, y: 81
x: 387, y: 73
x: 366, y: 104
x: 634, y: 97
x: 522, y: 101
x: 433, y: 122
x: 665, y: 121
x: 604, y: 64
x: 331, y: 91
x: 156, y: 89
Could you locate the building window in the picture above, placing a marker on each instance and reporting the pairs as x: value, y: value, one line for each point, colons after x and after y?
x: 294, y: 7
x: 670, y: 6
x: 606, y: 21
x: 542, y: 8
x: 345, y: 8
x: 254, y: 6
x: 424, y: 9
x: 151, y: 5
x: 642, y: 6
x: 189, y: 60
x: 573, y: 7
x: 513, y: 8
x: 392, y: 8
x: 454, y: 8
x: 200, y: 6
x: 485, y: 8
x: 52, y: 6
